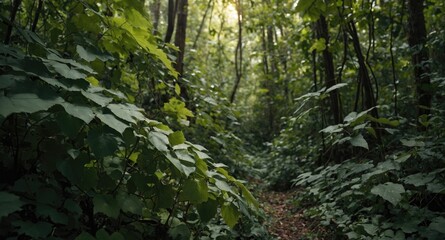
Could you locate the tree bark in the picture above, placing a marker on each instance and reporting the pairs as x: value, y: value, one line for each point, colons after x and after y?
x: 156, y: 11
x: 14, y: 9
x: 417, y: 42
x: 180, y: 36
x: 171, y: 15
x: 323, y: 32
x: 238, y: 52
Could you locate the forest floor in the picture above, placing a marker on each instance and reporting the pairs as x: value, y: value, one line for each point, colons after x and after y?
x: 286, y: 220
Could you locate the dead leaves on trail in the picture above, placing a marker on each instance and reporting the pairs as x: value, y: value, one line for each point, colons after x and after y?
x: 285, y: 221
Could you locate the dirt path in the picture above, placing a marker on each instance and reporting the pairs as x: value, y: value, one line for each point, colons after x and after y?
x: 287, y: 222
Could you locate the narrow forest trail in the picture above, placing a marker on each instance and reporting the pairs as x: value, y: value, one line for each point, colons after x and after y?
x: 285, y: 220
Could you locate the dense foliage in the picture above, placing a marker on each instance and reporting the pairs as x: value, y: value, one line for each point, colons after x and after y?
x: 341, y: 99
x: 79, y: 159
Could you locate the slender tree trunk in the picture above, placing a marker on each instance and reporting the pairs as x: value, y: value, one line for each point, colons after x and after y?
x: 238, y: 52
x: 156, y: 11
x: 180, y: 36
x: 201, y: 25
x: 417, y: 41
x: 14, y: 9
x: 171, y: 15
x: 322, y: 28
x: 369, y: 100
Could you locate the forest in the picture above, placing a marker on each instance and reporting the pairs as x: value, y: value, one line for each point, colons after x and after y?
x: 222, y: 119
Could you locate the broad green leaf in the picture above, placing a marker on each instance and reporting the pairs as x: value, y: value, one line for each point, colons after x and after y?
x: 207, y: 210
x: 96, y: 97
x: 112, y: 122
x: 184, y: 155
x: 438, y: 224
x: 370, y: 229
x: 303, y: 5
x: 90, y: 54
x: 178, y: 165
x: 65, y: 70
x: 319, y: 45
x: 130, y: 203
x: 202, y: 155
x: 391, y: 192
x: 336, y: 86
x: 247, y: 195
x: 177, y: 89
x: 43, y: 210
x: 107, y: 205
x: 359, y: 141
x: 36, y: 230
x: 332, y: 129
x: 419, y: 179
x: 195, y: 191
x: 403, y: 158
x: 127, y: 112
x: 179, y: 232
x: 81, y: 112
x: 101, y: 143
x: 159, y: 141
x: 230, y: 214
x: 412, y: 143
x: 48, y: 196
x: 9, y: 203
x: 26, y: 103
x: 176, y: 138
x: 85, y: 236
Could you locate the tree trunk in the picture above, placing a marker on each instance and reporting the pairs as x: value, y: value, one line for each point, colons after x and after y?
x: 238, y: 52
x: 14, y: 9
x: 417, y: 41
x: 180, y: 36
x: 171, y: 15
x: 156, y: 11
x: 322, y: 29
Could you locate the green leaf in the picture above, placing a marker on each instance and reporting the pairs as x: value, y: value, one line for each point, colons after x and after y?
x: 107, y: 205
x: 97, y: 98
x: 25, y: 103
x: 127, y: 112
x: 230, y: 214
x: 370, y: 229
x: 303, y: 5
x: 9, y: 203
x: 179, y: 232
x: 85, y: 236
x: 207, y: 210
x: 412, y: 143
x: 438, y: 224
x: 83, y: 113
x: 159, y: 141
x: 65, y: 70
x: 336, y: 86
x: 389, y: 191
x: 177, y: 89
x: 34, y: 230
x: 130, y: 203
x: 101, y: 143
x: 359, y: 141
x: 247, y: 195
x: 91, y: 54
x: 176, y: 138
x: 112, y: 122
x: 319, y: 45
x: 184, y: 155
x: 419, y: 179
x: 195, y: 191
x: 48, y: 196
